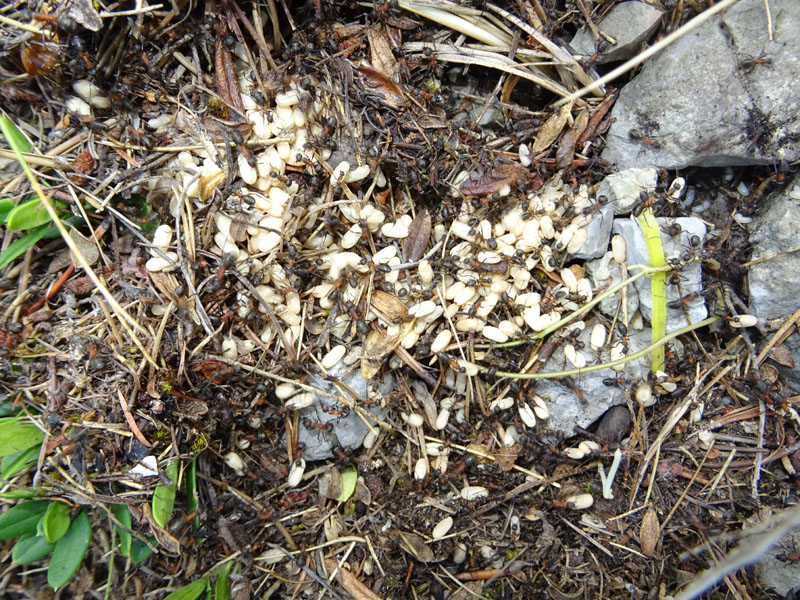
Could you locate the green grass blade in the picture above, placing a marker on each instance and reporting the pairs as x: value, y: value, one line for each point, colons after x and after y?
x: 164, y: 496
x: 69, y: 551
x: 191, y: 591
x: 27, y: 216
x: 192, y: 499
x: 658, y: 285
x: 222, y: 586
x: 123, y: 515
x: 14, y: 136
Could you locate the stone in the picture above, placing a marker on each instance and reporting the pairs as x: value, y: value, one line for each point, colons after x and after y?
x: 629, y: 24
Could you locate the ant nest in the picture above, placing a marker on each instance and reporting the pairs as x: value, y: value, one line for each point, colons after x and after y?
x: 494, y: 272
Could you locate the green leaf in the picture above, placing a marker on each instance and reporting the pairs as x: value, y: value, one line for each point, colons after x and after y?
x: 6, y: 204
x: 140, y: 550
x: 22, y: 518
x: 222, y: 586
x: 191, y: 591
x: 15, y: 138
x: 14, y: 463
x: 164, y: 496
x: 27, y: 216
x: 21, y: 245
x: 56, y: 521
x: 30, y: 549
x: 349, y: 476
x: 17, y: 434
x: 192, y: 500
x: 69, y: 551
x: 17, y: 494
x: 123, y: 514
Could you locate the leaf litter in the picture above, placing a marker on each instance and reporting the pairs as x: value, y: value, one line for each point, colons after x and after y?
x: 334, y: 198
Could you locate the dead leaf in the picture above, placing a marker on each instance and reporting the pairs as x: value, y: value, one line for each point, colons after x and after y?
x: 415, y: 546
x: 507, y: 456
x: 566, y: 145
x: 168, y: 542
x: 380, y: 52
x: 377, y: 345
x: 493, y: 182
x: 782, y: 356
x: 649, y: 532
x: 377, y: 83
x: 350, y: 582
x: 86, y: 247
x: 550, y: 131
x: 418, y: 234
x: 388, y: 305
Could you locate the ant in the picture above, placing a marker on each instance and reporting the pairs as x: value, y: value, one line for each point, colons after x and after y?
x: 638, y: 136
x: 646, y: 201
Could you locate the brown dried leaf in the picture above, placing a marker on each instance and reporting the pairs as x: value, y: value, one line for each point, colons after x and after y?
x: 418, y: 234
x: 166, y: 540
x: 388, y: 305
x: 507, y: 456
x: 415, y: 546
x: 649, y: 532
x: 380, y: 52
x: 376, y: 82
x: 377, y: 345
x: 566, y: 146
x: 494, y: 181
x: 350, y: 582
x: 550, y: 131
x: 85, y: 246
x: 782, y: 356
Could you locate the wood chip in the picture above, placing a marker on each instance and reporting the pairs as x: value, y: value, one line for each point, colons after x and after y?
x: 419, y: 232
x: 550, y: 131
x: 649, y: 532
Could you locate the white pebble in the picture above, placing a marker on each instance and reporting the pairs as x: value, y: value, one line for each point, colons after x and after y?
x: 357, y: 174
x: 597, y: 339
x: 162, y: 236
x: 229, y: 349
x: 301, y: 400
x: 524, y: 155
x: 473, y: 492
x: 248, y: 174
x: 396, y: 230
x: 619, y: 249
x: 235, y: 462
x: 441, y: 341
x: 580, y: 501
x: 332, y: 358
x: 296, y: 473
x: 527, y: 415
x: 494, y: 334
x: 421, y: 469
x: 442, y: 527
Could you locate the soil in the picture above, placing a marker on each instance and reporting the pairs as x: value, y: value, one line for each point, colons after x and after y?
x: 71, y: 362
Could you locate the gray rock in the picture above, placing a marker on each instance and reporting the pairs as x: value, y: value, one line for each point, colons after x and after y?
x: 606, y: 273
x: 345, y: 431
x: 674, y: 247
x: 774, y: 570
x: 630, y: 24
x: 721, y: 95
x: 598, y: 232
x: 772, y: 284
x: 623, y: 188
x: 567, y: 408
